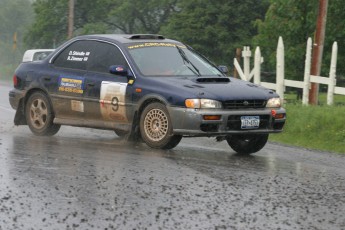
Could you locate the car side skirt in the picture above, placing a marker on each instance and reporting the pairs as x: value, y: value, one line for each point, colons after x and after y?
x: 110, y: 125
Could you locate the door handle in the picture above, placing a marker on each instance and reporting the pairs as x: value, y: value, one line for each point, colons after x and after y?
x: 91, y: 84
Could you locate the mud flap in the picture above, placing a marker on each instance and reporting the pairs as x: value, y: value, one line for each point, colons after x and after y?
x: 19, y: 118
x: 134, y: 134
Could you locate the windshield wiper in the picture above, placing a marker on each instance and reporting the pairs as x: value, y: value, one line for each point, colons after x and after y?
x: 186, y: 60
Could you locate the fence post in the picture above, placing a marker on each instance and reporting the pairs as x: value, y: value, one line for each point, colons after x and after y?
x: 246, y: 54
x: 305, y: 97
x: 280, y: 68
x: 332, y: 74
x: 257, y: 66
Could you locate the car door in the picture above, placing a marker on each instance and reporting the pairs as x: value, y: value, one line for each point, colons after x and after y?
x: 68, y: 73
x: 107, y: 96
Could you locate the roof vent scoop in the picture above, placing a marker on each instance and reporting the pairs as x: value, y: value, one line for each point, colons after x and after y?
x: 146, y: 36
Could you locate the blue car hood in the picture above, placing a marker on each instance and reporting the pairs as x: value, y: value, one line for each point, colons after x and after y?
x: 217, y: 88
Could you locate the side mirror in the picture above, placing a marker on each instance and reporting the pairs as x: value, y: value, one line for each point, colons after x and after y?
x: 118, y: 70
x: 224, y: 69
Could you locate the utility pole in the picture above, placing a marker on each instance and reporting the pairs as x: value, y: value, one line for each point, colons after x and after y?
x: 318, y: 50
x: 238, y: 57
x: 14, y: 48
x: 14, y: 42
x: 70, y: 19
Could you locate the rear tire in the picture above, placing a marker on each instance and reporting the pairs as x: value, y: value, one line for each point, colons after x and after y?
x: 156, y: 129
x: 247, y: 143
x: 39, y: 115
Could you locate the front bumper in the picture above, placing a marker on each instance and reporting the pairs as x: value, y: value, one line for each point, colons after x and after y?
x: 190, y: 122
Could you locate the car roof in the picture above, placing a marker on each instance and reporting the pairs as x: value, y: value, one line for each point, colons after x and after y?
x: 116, y: 39
x: 128, y: 38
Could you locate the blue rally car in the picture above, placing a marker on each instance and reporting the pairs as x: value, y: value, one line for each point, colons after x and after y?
x: 143, y: 87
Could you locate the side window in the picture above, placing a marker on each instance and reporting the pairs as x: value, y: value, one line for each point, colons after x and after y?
x: 103, y: 56
x: 75, y: 56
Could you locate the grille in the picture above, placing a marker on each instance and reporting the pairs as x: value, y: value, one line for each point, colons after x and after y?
x: 243, y: 104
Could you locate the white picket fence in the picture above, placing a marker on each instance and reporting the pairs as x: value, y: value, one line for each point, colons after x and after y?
x: 281, y: 82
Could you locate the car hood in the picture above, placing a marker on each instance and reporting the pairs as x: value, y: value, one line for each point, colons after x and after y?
x: 217, y: 88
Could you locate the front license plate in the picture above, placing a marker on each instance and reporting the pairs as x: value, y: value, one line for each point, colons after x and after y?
x: 250, y: 122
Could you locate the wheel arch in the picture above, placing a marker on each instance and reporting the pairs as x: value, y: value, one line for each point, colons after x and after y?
x: 150, y: 99
x: 20, y: 117
x: 40, y: 123
x: 155, y: 126
x: 145, y: 101
x: 32, y: 91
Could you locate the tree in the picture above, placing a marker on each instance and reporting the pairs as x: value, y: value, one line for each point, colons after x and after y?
x: 50, y: 26
x: 136, y: 16
x: 15, y: 16
x: 295, y: 21
x: 335, y: 32
x: 215, y: 28
x: 96, y: 16
x: 51, y: 23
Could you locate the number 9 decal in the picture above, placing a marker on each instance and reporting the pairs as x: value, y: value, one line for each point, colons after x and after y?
x: 112, y: 101
x: 115, y: 104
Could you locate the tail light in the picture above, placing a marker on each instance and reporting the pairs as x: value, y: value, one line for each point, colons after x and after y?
x: 15, y: 81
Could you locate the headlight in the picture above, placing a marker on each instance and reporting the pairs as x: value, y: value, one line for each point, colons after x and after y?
x: 203, y: 104
x: 274, y: 103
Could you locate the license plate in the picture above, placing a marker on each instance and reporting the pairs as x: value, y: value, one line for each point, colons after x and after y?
x: 250, y: 122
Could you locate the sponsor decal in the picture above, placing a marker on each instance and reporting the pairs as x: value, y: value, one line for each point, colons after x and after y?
x: 155, y: 44
x: 71, y: 84
x: 78, y: 56
x: 77, y: 106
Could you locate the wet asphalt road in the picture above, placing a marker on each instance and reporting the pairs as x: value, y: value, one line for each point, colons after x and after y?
x: 91, y: 179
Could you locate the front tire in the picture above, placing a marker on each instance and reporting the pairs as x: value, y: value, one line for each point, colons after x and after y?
x: 39, y: 115
x: 156, y: 129
x: 247, y: 143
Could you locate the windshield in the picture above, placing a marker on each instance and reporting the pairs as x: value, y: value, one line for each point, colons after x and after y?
x: 157, y: 59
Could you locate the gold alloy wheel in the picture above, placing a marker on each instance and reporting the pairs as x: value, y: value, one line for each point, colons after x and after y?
x: 38, y: 113
x: 156, y: 124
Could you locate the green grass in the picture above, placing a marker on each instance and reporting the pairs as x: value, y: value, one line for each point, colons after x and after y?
x: 315, y: 127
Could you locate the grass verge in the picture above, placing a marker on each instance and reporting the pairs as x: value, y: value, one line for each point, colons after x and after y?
x: 315, y: 127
